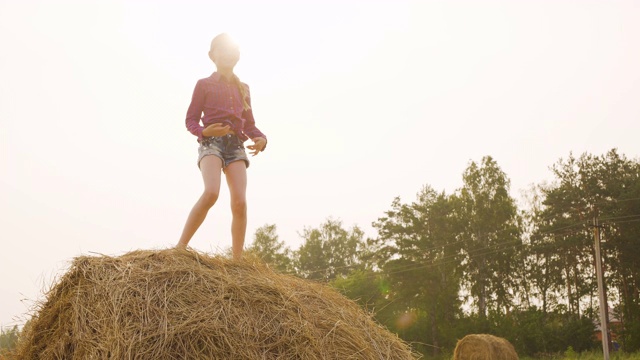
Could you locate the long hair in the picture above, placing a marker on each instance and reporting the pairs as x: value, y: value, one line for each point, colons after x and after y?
x: 244, y: 91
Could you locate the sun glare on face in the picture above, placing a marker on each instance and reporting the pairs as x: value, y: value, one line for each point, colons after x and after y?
x: 224, y: 51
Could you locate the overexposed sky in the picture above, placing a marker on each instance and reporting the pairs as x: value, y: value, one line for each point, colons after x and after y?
x: 361, y: 101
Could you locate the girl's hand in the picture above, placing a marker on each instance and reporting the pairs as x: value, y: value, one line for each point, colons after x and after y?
x: 258, y: 145
x: 216, y: 129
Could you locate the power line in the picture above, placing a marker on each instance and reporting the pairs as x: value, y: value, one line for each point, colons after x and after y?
x: 491, y: 249
x: 518, y: 242
x: 626, y: 221
x: 619, y: 217
x: 613, y: 200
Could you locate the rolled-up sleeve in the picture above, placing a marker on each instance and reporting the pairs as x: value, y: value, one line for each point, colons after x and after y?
x: 194, y: 113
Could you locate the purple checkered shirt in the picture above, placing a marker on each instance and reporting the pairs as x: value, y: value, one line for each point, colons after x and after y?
x: 217, y: 100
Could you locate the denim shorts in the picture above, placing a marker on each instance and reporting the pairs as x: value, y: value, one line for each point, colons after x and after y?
x: 228, y: 148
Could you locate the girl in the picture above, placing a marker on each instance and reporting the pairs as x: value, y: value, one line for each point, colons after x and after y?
x: 224, y: 104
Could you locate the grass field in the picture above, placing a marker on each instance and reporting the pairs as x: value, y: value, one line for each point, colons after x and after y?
x: 569, y: 355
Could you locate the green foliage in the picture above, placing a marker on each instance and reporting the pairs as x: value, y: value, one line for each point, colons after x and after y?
x: 329, y: 251
x: 417, y: 251
x: 630, y: 336
x: 8, y: 339
x: 587, y: 188
x: 366, y: 287
x: 533, y: 332
x: 271, y: 250
x: 570, y: 353
x: 587, y: 355
x: 489, y: 226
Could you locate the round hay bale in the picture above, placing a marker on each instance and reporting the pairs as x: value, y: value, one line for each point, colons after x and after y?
x: 484, y: 347
x: 182, y: 304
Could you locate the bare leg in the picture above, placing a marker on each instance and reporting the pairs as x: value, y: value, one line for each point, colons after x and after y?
x: 211, y: 168
x: 236, y: 174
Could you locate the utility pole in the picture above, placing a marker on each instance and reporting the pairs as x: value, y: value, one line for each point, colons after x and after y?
x: 604, y: 328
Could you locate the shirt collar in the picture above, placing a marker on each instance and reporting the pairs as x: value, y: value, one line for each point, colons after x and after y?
x: 216, y: 76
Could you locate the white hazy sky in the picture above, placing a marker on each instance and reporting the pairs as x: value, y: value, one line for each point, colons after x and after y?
x: 361, y: 101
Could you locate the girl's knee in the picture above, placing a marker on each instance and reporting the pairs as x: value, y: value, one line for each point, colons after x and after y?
x: 209, y: 198
x: 239, y: 206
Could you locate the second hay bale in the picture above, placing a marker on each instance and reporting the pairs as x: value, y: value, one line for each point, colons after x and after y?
x: 484, y: 347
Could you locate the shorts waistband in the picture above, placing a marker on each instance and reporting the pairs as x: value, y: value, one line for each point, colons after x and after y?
x: 228, y: 136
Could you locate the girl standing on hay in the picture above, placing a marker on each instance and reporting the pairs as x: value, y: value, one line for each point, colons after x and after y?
x: 223, y: 104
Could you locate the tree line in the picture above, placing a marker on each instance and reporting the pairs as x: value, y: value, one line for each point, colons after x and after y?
x: 476, y: 261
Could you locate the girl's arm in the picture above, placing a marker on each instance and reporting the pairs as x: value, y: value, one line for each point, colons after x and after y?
x: 250, y: 128
x: 194, y: 113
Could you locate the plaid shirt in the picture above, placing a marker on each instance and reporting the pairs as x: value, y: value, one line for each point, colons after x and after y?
x: 217, y: 100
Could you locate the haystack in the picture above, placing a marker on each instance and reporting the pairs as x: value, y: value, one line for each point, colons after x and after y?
x: 183, y: 304
x: 484, y: 347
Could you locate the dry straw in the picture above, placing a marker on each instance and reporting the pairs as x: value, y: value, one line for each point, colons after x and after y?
x: 484, y: 347
x: 183, y: 304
